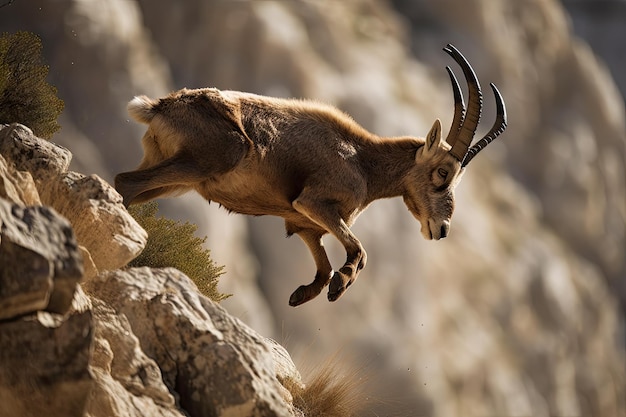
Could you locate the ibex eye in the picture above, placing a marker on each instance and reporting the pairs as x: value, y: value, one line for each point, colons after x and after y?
x: 443, y: 173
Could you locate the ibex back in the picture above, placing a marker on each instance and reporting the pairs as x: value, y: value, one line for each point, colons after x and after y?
x: 304, y: 161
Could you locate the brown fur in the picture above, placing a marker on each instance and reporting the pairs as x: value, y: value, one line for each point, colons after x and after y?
x: 304, y: 161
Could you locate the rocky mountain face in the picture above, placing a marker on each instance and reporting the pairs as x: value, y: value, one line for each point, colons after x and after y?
x: 133, y: 342
x: 601, y: 24
x: 520, y: 310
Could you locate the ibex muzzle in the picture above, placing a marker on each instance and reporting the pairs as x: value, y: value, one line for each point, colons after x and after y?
x: 306, y: 162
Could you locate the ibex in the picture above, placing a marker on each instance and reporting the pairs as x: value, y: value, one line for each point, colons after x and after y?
x: 304, y: 161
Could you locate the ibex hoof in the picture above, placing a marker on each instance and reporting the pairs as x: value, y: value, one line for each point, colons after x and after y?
x: 338, y: 285
x: 303, y: 294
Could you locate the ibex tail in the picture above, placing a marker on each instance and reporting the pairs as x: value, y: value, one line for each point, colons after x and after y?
x: 141, y: 108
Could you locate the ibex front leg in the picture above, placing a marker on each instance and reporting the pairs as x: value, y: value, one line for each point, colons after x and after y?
x: 313, y: 240
x: 327, y: 216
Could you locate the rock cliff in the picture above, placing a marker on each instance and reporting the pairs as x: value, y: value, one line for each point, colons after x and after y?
x: 139, y: 342
x: 528, y: 319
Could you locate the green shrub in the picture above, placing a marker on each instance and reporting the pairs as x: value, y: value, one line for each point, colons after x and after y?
x: 25, y: 96
x: 173, y: 244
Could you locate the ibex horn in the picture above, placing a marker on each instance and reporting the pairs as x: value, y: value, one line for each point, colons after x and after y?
x: 468, y: 126
x: 496, y: 130
x: 459, y: 109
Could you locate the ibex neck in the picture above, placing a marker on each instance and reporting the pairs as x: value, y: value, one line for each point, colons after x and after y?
x: 386, y: 163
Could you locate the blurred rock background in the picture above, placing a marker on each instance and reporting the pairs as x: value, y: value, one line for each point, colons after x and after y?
x: 520, y: 310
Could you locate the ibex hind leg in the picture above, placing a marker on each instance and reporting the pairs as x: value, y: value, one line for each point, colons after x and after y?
x: 346, y: 276
x: 313, y: 239
x: 327, y: 216
x: 178, y: 172
x: 159, y: 192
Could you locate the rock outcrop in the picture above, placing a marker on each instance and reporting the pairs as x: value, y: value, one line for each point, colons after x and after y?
x: 139, y: 342
x: 215, y: 364
x: 92, y: 206
x: 41, y: 262
x: 44, y: 364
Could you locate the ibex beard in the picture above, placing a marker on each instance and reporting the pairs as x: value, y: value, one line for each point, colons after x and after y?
x: 306, y: 162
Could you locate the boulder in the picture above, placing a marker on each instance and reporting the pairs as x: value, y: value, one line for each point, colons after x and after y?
x: 127, y: 382
x: 43, y: 365
x: 17, y: 186
x: 43, y: 159
x: 217, y: 365
x: 93, y: 207
x: 41, y: 262
x: 100, y: 221
x: 86, y: 363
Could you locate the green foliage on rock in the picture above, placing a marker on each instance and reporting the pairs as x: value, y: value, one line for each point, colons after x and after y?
x: 25, y: 96
x: 173, y: 244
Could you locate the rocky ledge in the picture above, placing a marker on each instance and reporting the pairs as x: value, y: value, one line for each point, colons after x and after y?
x: 81, y: 337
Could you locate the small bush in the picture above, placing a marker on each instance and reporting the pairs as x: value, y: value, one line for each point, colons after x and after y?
x: 173, y: 244
x: 25, y: 96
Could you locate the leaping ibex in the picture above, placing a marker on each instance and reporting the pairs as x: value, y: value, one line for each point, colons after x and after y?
x: 306, y: 162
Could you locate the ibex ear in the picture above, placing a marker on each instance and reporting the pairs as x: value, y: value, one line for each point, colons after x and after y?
x: 433, y: 139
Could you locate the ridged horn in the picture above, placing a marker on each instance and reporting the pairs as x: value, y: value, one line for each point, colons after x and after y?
x: 496, y: 130
x: 459, y: 109
x: 468, y: 127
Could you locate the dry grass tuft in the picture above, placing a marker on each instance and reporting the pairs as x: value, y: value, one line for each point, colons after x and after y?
x: 331, y: 390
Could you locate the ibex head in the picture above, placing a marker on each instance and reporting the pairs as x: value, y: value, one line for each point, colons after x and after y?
x: 440, y: 164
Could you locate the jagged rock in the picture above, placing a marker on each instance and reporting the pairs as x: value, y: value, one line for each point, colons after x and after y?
x: 87, y: 363
x: 41, y: 263
x: 17, y: 186
x: 127, y: 382
x: 43, y: 159
x: 92, y: 206
x: 100, y: 221
x: 216, y: 364
x: 43, y: 365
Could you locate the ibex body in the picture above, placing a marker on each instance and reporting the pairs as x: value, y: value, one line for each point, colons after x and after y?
x: 304, y: 161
